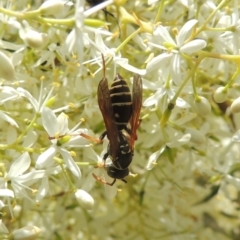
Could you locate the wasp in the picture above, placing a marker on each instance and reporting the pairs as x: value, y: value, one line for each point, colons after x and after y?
x: 120, y: 110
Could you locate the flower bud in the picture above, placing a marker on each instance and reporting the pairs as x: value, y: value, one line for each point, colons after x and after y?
x: 84, y: 199
x: 202, y: 106
x: 33, y: 38
x: 166, y: 115
x: 196, y: 136
x: 220, y: 95
x: 235, y: 107
x: 51, y: 101
x: 51, y: 7
x: 36, y: 40
x: 63, y: 140
x: 26, y: 233
x: 6, y: 68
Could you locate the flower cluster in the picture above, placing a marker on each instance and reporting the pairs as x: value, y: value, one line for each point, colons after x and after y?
x: 185, y: 174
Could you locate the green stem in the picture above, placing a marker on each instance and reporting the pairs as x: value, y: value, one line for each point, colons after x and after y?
x: 191, y: 73
x: 73, y: 188
x: 86, y: 164
x: 233, y: 78
x: 128, y: 39
x: 203, y: 26
x: 19, y: 139
x: 204, y: 54
x: 160, y: 10
x: 170, y: 107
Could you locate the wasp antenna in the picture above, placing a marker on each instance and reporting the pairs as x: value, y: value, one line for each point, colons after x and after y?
x: 104, y: 66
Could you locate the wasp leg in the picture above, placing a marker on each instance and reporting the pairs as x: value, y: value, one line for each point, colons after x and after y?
x: 128, y: 129
x: 105, y: 157
x: 90, y: 138
x: 102, y: 180
x: 103, y: 135
x: 124, y: 180
x: 111, y: 184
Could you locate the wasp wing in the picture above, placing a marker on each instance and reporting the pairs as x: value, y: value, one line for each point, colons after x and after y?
x: 105, y: 105
x: 136, y: 107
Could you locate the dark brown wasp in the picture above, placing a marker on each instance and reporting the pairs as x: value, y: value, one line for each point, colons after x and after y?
x: 120, y: 110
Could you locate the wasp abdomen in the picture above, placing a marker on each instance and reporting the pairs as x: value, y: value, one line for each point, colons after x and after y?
x: 121, y: 102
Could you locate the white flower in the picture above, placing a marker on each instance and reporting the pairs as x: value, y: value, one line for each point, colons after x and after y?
x: 58, y: 127
x: 171, y: 60
x: 19, y: 180
x: 162, y: 91
x: 49, y: 56
x: 44, y: 96
x: 78, y: 38
x: 7, y: 93
x: 111, y: 55
x: 176, y: 141
x: 43, y: 189
x: 232, y: 37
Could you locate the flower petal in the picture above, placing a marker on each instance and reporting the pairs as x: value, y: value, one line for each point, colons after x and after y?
x: 31, y: 177
x: 182, y: 103
x: 179, y: 140
x: 193, y: 46
x: 123, y: 62
x: 153, y: 158
x: 19, y: 166
x: 6, y: 193
x: 8, y: 119
x: 164, y: 35
x: 62, y: 124
x: 28, y: 95
x: 46, y: 157
x: 49, y: 121
x: 42, y: 190
x: 69, y: 161
x: 157, y: 61
x: 185, y: 30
